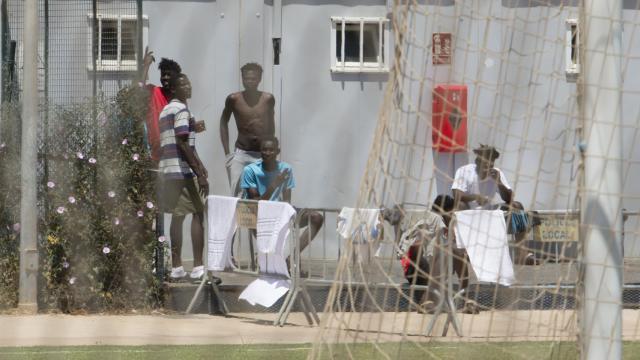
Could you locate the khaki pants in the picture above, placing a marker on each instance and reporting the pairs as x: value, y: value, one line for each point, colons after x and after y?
x: 180, y: 197
x: 235, y: 163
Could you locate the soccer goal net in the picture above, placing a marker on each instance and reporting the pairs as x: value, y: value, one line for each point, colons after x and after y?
x: 530, y: 103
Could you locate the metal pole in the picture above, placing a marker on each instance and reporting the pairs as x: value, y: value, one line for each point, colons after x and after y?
x: 46, y: 97
x: 601, y: 320
x: 139, y: 45
x: 94, y: 50
x: 28, y: 204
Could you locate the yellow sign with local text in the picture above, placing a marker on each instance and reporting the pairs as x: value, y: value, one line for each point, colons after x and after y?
x: 557, y: 228
x: 247, y: 214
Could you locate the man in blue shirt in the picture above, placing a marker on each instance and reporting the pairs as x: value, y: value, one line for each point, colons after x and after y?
x: 270, y: 179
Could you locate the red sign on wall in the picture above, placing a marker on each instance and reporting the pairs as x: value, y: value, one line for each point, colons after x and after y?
x: 449, y: 121
x: 441, y: 48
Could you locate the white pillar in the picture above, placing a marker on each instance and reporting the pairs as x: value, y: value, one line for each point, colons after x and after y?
x: 28, y: 204
x: 601, y: 233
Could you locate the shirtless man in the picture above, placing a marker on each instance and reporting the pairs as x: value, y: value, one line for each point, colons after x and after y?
x: 253, y: 111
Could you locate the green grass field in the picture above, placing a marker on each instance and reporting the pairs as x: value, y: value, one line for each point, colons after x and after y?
x: 404, y: 351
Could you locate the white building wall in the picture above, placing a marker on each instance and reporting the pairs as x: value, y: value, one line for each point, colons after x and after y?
x: 513, y: 66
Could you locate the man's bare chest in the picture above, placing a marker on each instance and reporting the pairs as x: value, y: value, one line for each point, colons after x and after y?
x: 245, y: 111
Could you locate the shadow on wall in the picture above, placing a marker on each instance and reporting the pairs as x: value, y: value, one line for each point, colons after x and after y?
x: 380, y: 78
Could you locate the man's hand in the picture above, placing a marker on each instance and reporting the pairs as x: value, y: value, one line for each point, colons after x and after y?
x: 148, y: 58
x: 495, y: 175
x: 203, y: 184
x: 200, y: 126
x: 282, y: 177
x: 481, y: 199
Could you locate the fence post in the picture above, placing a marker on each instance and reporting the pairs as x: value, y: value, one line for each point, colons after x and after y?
x: 28, y: 290
x: 601, y: 297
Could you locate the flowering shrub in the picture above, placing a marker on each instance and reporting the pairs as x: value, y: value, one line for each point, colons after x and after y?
x: 97, y: 239
x: 9, y: 205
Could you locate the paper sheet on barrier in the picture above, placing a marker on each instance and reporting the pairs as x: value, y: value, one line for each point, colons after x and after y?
x: 265, y: 291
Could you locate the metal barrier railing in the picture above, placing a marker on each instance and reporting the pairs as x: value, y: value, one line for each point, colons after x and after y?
x: 320, y: 259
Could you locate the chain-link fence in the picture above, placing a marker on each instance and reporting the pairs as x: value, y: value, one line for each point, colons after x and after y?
x: 88, y: 52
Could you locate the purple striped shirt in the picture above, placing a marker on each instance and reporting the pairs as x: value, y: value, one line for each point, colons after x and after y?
x: 175, y: 120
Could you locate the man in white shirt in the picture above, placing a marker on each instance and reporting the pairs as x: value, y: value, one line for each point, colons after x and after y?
x: 475, y: 187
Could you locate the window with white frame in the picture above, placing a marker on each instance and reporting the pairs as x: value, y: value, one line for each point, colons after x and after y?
x: 116, y: 36
x: 572, y: 49
x: 359, y: 44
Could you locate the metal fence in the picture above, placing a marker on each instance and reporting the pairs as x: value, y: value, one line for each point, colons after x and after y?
x: 319, y: 261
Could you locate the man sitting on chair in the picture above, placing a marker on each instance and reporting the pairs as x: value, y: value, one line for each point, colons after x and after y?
x: 420, y: 236
x: 271, y: 179
x: 475, y: 186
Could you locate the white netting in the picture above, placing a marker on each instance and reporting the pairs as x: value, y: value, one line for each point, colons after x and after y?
x: 510, y: 57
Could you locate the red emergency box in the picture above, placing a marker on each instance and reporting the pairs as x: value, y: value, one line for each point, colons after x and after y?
x: 449, y: 131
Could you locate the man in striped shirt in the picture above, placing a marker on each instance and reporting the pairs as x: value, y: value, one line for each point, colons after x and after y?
x: 184, y: 176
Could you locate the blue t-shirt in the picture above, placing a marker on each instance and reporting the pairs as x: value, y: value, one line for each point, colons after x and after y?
x: 254, y: 177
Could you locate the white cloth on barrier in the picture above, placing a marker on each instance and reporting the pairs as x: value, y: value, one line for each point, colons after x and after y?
x: 272, y: 224
x: 483, y: 233
x: 222, y: 225
x: 267, y: 289
x: 359, y: 225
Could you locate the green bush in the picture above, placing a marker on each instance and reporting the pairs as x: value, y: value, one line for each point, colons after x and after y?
x: 9, y: 204
x: 97, y: 209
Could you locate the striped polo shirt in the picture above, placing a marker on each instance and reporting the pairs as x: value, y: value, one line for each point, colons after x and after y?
x: 175, y: 120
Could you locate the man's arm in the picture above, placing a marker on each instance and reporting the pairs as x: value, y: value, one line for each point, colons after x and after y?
x: 204, y: 169
x: 461, y: 196
x: 271, y: 116
x: 506, y: 194
x: 275, y: 184
x: 286, y: 195
x: 147, y: 61
x: 224, y: 123
x: 182, y: 141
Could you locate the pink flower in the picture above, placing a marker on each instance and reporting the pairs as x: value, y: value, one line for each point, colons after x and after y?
x: 65, y: 265
x: 72, y: 280
x: 135, y: 157
x: 149, y: 204
x: 111, y: 194
x: 80, y: 155
x: 116, y: 221
x: 140, y: 213
x: 2, y: 146
x: 106, y: 250
x: 162, y: 239
x: 125, y: 141
x: 16, y: 227
x: 72, y: 200
x: 51, y: 184
x: 92, y: 161
x: 102, y: 118
x: 60, y: 210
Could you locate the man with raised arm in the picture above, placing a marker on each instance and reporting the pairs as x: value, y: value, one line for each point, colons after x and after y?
x: 253, y: 111
x: 159, y: 97
x: 270, y: 179
x: 184, y: 177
